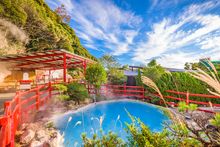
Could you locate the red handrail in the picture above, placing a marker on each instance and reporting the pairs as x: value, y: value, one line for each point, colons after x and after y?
x: 139, y: 91
x: 119, y: 90
x: 20, y: 104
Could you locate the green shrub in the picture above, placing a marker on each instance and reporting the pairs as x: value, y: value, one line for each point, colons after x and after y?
x: 108, y: 140
x: 77, y: 92
x: 183, y: 82
x: 139, y: 135
x: 60, y: 87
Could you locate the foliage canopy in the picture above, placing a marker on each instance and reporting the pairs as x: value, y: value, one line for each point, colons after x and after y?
x: 45, y: 28
x: 96, y: 75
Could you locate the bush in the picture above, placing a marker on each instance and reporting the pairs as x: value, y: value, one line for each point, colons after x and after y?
x: 60, y: 87
x: 183, y: 82
x: 77, y: 92
x: 109, y: 140
x: 116, y: 76
x: 139, y: 135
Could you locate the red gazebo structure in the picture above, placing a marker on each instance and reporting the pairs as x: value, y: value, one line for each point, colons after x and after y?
x: 47, y: 60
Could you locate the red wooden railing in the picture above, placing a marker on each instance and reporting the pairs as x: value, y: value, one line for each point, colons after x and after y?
x: 119, y: 90
x: 139, y: 92
x: 33, y: 99
x: 185, y: 96
x: 18, y: 108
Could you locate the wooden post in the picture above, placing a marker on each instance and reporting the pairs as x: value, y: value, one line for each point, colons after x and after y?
x: 124, y: 88
x: 50, y: 90
x: 64, y: 68
x: 37, y: 98
x: 187, y: 98
x: 8, y: 126
x: 143, y: 92
x: 18, y: 102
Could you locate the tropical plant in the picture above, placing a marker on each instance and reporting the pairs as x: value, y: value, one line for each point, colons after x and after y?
x: 77, y: 92
x: 109, y: 61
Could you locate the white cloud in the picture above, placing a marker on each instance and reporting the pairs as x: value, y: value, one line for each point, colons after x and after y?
x: 102, y: 20
x: 168, y: 38
x: 192, y: 34
x: 211, y: 42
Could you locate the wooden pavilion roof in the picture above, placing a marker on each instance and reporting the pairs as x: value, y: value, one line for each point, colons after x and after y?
x: 45, y: 60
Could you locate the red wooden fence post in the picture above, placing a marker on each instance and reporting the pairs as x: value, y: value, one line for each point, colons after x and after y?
x: 143, y: 92
x: 8, y: 126
x: 18, y: 102
x: 187, y: 98
x: 50, y: 90
x: 88, y: 89
x: 37, y: 98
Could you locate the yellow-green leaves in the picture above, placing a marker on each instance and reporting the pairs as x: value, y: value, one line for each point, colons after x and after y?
x: 182, y: 107
x: 216, y: 120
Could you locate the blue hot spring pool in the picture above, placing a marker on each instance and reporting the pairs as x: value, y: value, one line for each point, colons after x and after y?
x: 110, y: 115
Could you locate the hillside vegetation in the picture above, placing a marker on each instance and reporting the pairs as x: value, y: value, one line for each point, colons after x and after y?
x: 44, y: 28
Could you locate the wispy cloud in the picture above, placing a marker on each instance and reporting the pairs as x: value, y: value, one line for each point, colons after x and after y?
x: 102, y: 20
x: 174, y: 40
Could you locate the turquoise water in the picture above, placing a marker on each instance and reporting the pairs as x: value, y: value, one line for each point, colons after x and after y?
x: 114, y: 116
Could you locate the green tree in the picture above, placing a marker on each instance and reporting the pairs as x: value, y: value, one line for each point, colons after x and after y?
x: 77, y: 92
x: 114, y: 72
x: 96, y: 75
x: 109, y: 61
x: 152, y: 63
x: 153, y: 71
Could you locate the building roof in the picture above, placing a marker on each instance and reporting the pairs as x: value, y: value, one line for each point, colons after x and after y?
x: 50, y: 59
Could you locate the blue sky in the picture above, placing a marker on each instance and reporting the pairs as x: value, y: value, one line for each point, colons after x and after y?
x: 136, y: 31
